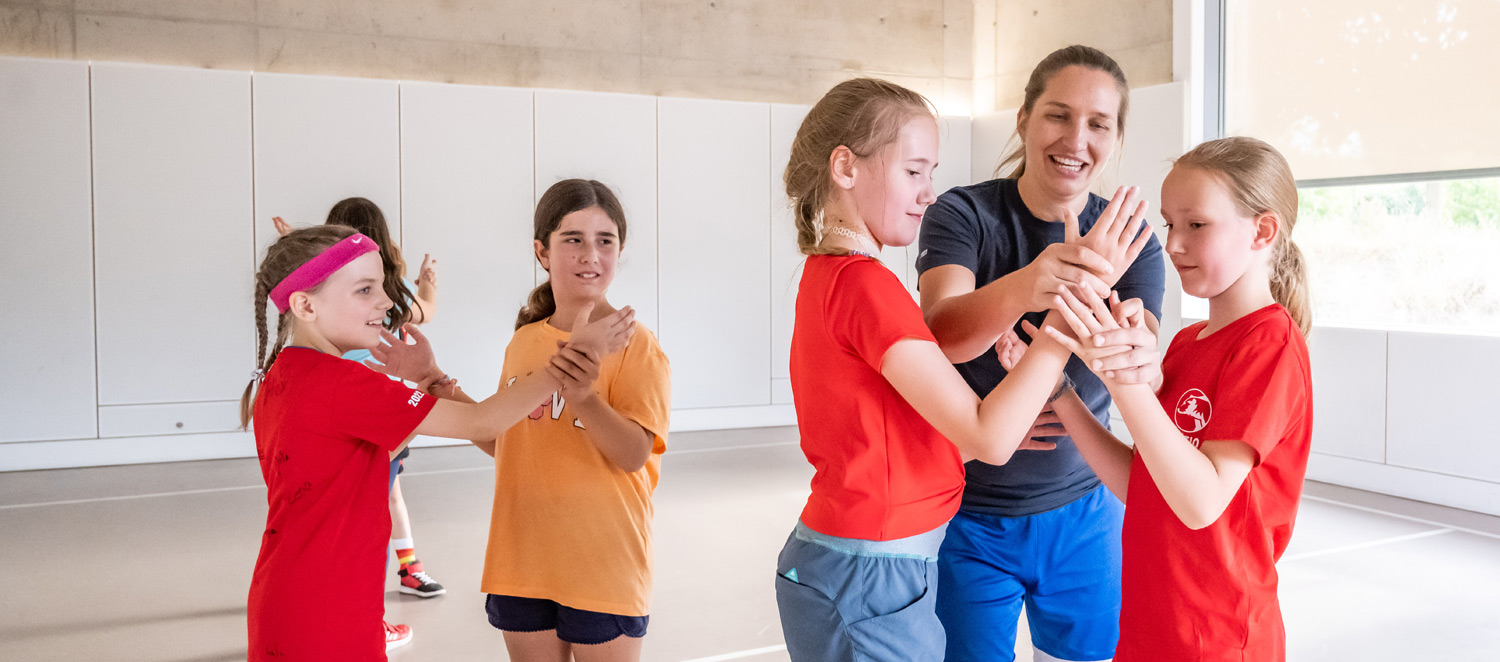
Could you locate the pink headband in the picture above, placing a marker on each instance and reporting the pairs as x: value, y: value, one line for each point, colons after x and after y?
x: 320, y: 268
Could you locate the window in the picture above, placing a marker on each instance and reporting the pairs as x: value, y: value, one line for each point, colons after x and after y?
x: 1383, y: 109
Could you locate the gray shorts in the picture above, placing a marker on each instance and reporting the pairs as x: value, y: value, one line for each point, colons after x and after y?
x: 848, y: 600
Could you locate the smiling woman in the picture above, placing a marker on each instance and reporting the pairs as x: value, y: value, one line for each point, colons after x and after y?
x: 992, y: 256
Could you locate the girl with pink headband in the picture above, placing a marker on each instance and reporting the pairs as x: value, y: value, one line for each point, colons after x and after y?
x: 326, y: 430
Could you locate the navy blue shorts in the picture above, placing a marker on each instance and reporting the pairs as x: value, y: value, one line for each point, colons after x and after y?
x: 575, y: 626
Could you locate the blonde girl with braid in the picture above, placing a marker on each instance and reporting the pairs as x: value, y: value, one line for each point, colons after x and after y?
x: 885, y: 419
x: 326, y: 429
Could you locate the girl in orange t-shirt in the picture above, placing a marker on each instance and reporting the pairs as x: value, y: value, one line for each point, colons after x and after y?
x: 568, y: 569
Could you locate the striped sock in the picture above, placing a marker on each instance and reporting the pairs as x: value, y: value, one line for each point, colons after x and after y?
x: 406, y: 551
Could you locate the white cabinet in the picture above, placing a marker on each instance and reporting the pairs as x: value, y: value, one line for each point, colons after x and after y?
x: 172, y: 230
x: 610, y: 138
x: 715, y: 239
x: 47, y: 384
x: 321, y: 139
x: 1349, y: 392
x: 466, y: 178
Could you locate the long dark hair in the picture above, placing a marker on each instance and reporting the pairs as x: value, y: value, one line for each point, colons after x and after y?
x: 365, y: 217
x: 563, y: 198
x: 282, y: 258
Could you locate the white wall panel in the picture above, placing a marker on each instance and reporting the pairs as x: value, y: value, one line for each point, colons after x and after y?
x: 466, y: 186
x: 1349, y: 372
x: 953, y: 169
x: 47, y: 385
x: 786, y: 259
x: 1441, y: 400
x: 172, y: 208
x: 150, y: 420
x: 715, y: 260
x: 610, y: 138
x: 318, y: 140
x: 1156, y: 132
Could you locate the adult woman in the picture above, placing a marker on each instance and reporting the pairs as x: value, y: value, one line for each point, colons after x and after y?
x: 1040, y: 531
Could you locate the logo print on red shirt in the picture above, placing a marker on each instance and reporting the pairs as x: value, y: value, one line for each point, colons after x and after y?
x: 1193, y: 411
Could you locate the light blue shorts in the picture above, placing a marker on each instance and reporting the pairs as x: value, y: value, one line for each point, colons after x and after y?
x: 844, y: 599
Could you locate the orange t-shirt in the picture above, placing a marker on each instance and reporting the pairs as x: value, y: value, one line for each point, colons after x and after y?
x: 568, y: 524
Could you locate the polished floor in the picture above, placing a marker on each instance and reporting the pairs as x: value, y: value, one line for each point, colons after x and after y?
x: 153, y: 562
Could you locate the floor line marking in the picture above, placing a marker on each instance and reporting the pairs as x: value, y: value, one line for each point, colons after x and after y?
x: 1365, y: 545
x: 1409, y: 518
x: 236, y: 488
x: 739, y: 654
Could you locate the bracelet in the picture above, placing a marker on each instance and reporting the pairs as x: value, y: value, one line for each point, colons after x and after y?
x: 1067, y: 383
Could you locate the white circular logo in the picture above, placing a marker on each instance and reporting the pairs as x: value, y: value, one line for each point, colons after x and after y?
x: 1193, y: 411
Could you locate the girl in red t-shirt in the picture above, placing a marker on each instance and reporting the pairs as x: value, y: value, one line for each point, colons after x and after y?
x: 1213, y: 481
x: 326, y: 430
x: 884, y: 417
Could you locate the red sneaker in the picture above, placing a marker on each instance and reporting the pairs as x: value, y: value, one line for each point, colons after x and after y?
x: 396, y: 636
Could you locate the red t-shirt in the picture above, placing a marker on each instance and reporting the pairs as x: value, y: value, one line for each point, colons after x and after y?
x: 324, y: 430
x: 1210, y: 594
x: 883, y: 472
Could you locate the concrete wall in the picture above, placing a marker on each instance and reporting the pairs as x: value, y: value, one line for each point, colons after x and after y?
x: 753, y: 50
x: 1136, y: 33
x: 970, y: 56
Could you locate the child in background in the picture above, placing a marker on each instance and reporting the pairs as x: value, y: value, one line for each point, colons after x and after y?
x: 326, y: 430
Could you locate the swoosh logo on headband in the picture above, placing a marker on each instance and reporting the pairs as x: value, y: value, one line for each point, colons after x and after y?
x: 358, y: 239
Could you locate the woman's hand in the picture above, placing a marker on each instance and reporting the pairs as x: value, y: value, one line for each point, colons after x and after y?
x: 604, y: 336
x: 1117, y: 344
x: 1116, y: 236
x: 283, y: 228
x: 1011, y: 348
x: 412, y: 362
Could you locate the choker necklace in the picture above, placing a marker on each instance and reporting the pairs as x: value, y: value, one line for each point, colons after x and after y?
x: 864, y: 241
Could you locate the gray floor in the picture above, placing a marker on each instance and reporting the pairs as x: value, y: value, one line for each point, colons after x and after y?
x: 153, y: 562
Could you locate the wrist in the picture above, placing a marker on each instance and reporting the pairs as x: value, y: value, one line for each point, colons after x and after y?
x: 1063, y: 386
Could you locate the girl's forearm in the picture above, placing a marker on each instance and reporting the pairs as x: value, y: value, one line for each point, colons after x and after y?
x: 1190, y: 482
x: 1108, y: 456
x: 625, y: 443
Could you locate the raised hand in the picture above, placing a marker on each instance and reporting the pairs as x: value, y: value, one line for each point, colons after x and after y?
x: 412, y: 362
x: 604, y: 336
x: 427, y: 273
x: 1116, y: 236
x: 283, y: 228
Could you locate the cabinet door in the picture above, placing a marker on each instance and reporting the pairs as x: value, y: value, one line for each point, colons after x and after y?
x: 610, y: 138
x: 47, y: 383
x: 715, y: 262
x: 466, y: 190
x: 172, y: 213
x: 319, y: 140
